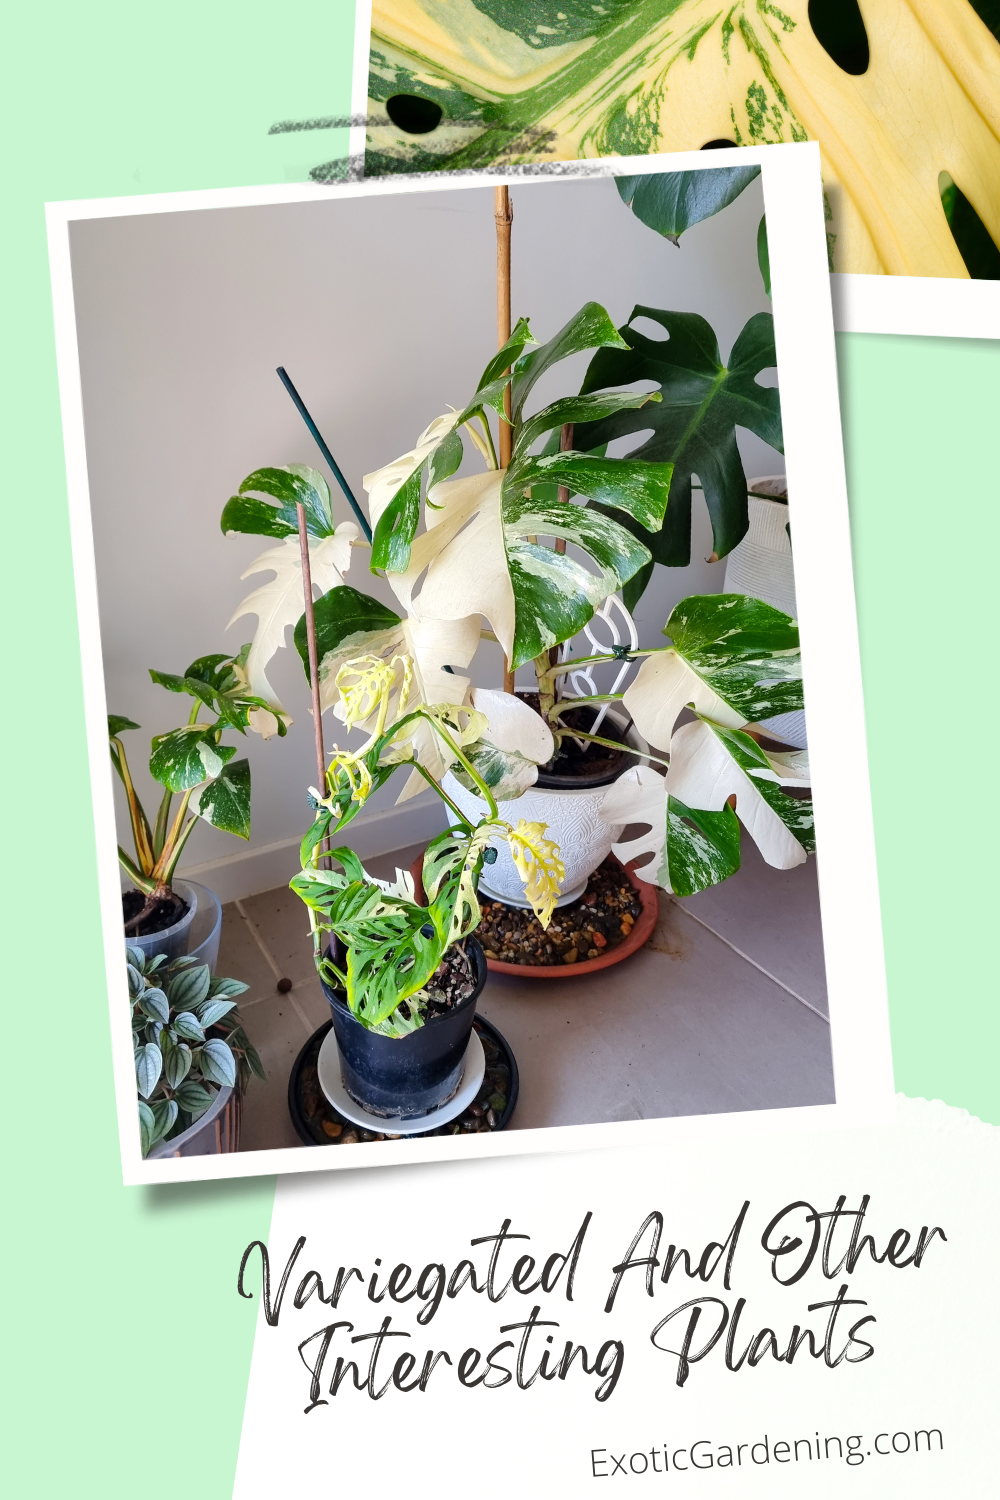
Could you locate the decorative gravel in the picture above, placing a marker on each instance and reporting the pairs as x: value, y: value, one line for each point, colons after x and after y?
x: 602, y: 918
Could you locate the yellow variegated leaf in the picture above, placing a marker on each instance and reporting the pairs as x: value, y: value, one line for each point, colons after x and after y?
x: 522, y: 80
x: 537, y: 861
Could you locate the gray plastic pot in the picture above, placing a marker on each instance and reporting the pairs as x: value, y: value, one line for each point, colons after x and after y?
x: 197, y: 933
x: 217, y: 1131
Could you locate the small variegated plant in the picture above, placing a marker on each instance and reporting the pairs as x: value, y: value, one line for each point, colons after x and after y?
x: 394, y: 946
x: 190, y: 762
x: 187, y: 1039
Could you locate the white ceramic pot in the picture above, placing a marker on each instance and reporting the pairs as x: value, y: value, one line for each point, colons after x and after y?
x: 762, y: 566
x: 573, y: 820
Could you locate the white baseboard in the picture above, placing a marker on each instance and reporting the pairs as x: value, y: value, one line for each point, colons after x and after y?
x: 247, y: 872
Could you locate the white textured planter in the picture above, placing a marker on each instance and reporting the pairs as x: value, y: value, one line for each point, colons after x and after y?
x: 574, y: 822
x: 762, y: 566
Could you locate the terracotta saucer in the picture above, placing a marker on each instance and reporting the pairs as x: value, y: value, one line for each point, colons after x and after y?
x: 641, y: 932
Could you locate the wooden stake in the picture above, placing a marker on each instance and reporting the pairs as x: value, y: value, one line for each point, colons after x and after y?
x: 503, y: 214
x: 307, y: 594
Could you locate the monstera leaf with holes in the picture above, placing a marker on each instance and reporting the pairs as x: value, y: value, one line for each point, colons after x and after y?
x: 896, y: 92
x: 480, y: 553
x: 732, y: 661
x: 694, y: 424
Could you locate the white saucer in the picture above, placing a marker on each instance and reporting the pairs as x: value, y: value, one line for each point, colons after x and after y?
x: 330, y: 1081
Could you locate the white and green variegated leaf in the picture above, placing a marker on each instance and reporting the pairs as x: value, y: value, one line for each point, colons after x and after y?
x: 508, y: 753
x: 733, y: 659
x: 395, y: 490
x: 691, y: 849
x: 279, y: 604
x: 710, y: 763
x: 186, y: 757
x: 477, y: 557
x: 290, y: 485
x: 692, y: 833
x: 640, y: 489
x: 590, y: 328
x: 225, y: 802
x: 573, y: 409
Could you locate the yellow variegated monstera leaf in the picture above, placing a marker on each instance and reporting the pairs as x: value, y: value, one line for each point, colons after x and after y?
x: 529, y: 80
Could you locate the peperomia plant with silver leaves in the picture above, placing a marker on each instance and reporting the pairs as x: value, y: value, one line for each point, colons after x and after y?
x: 188, y: 1042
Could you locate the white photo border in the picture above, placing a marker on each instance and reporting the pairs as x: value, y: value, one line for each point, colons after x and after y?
x: 848, y: 885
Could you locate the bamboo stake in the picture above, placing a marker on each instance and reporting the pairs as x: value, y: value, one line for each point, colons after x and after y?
x: 313, y: 656
x: 503, y: 214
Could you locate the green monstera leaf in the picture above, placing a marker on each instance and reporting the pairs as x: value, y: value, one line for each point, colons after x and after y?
x: 671, y: 202
x: 702, y: 403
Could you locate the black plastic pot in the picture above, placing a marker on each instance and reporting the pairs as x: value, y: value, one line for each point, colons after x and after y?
x: 410, y: 1075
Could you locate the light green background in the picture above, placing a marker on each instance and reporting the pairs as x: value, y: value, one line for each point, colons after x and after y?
x: 127, y: 1348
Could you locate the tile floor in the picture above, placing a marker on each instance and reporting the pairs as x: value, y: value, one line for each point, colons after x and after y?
x: 724, y: 1009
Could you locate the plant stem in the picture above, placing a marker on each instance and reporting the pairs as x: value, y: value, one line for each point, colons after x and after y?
x: 599, y: 739
x: 489, y: 438
x: 546, y: 690
x: 565, y: 704
x: 484, y: 790
x: 586, y: 661
x: 460, y: 815
x: 565, y: 444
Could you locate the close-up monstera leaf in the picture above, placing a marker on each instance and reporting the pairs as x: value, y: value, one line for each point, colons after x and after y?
x: 903, y: 97
x: 733, y: 661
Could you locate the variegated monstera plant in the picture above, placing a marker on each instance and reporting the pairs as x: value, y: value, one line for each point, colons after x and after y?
x: 484, y: 556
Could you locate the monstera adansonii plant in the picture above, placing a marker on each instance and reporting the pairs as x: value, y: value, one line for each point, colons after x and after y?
x: 472, y: 557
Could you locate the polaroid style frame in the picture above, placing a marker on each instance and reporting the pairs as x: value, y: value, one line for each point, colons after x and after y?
x: 848, y: 886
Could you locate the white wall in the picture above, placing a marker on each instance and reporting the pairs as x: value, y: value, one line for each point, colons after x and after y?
x: 383, y: 312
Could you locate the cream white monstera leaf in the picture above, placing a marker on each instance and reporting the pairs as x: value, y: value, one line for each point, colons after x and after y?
x: 732, y: 658
x: 693, y: 833
x: 279, y: 604
x: 510, y: 750
x: 897, y: 92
